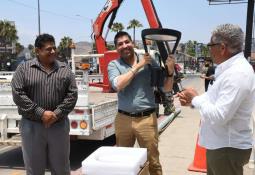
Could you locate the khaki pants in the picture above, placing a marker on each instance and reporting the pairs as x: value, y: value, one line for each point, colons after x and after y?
x: 144, y: 129
x: 227, y: 161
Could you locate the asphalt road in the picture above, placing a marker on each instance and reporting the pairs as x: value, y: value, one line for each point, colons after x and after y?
x: 11, y: 161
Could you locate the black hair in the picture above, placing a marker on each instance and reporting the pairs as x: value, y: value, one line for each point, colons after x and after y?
x: 42, y: 39
x: 120, y: 34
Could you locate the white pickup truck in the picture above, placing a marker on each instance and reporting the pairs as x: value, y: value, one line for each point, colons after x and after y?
x: 92, y: 117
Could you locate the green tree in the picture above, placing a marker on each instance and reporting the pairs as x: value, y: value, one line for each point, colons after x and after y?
x: 182, y: 47
x: 31, y: 49
x: 8, y: 33
x: 205, y: 51
x: 133, y: 24
x: 8, y: 36
x: 64, y: 49
x: 110, y: 47
x: 190, y: 48
x: 117, y: 26
x: 18, y: 48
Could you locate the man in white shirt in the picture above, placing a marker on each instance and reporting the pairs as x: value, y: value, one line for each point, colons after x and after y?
x: 226, y: 108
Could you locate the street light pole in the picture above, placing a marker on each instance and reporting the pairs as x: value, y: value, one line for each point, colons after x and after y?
x: 39, y: 22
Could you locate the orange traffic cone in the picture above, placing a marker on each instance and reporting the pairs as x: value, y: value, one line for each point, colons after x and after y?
x: 199, y: 162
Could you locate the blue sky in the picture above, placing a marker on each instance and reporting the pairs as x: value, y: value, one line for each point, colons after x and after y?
x: 194, y: 18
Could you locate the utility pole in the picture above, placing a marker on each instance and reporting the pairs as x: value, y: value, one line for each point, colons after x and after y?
x: 92, y: 41
x: 39, y: 22
x: 249, y: 25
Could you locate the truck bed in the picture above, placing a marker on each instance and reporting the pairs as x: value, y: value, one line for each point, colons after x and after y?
x: 96, y: 96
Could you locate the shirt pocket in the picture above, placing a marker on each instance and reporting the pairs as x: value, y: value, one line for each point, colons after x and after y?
x: 61, y: 84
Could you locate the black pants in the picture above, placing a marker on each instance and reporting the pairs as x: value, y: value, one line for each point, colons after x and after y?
x: 227, y: 161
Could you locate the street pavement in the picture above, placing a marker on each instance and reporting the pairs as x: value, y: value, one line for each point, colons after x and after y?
x: 176, y: 145
x: 178, y: 141
x: 11, y: 162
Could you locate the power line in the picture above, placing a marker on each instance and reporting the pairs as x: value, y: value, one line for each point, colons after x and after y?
x: 233, y: 3
x: 223, y: 2
x: 22, y: 4
x: 47, y: 11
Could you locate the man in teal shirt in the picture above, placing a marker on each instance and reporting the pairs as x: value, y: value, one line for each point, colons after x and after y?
x: 136, y: 117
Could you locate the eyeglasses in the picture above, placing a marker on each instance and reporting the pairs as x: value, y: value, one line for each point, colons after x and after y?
x: 212, y: 44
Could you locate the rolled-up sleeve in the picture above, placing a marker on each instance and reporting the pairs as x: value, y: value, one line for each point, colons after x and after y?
x: 113, y: 73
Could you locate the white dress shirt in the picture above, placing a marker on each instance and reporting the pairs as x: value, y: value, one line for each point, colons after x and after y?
x: 226, y: 108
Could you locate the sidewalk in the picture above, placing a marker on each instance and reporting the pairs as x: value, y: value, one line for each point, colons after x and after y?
x: 177, y: 142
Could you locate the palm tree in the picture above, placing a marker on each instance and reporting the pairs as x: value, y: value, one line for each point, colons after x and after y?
x: 64, y: 48
x: 8, y: 36
x: 8, y: 33
x: 133, y: 24
x: 117, y: 26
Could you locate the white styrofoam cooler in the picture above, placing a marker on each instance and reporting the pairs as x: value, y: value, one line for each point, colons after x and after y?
x: 115, y: 161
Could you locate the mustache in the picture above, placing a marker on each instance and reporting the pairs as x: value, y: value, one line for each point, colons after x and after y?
x: 127, y: 50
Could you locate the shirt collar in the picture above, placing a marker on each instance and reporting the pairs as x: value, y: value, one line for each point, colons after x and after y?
x: 35, y: 62
x: 57, y: 64
x: 227, y: 64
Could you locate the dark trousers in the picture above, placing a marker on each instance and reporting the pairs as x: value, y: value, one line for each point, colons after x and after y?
x: 42, y: 145
x: 227, y: 161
